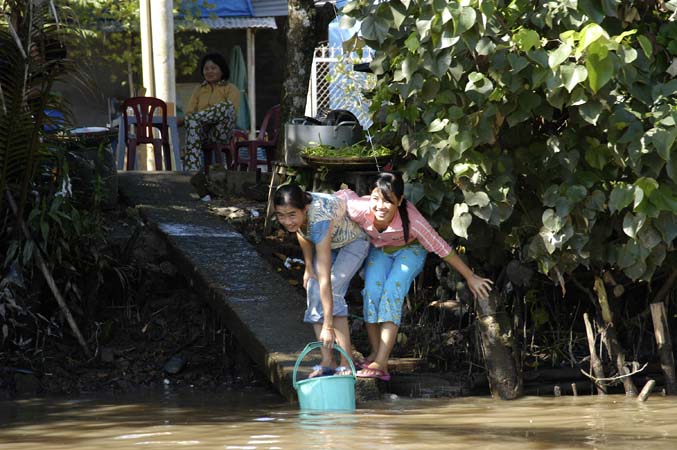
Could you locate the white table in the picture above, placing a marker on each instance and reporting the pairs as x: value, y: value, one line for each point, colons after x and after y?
x: 157, y: 120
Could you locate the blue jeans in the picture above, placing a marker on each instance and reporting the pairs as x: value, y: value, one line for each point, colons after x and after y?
x: 345, y: 262
x: 387, y: 279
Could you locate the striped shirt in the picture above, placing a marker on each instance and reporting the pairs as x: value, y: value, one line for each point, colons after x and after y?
x: 393, y: 236
x: 322, y: 211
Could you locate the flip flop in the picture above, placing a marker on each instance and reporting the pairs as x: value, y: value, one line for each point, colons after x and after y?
x: 321, y: 371
x: 365, y: 362
x: 342, y: 371
x: 368, y: 372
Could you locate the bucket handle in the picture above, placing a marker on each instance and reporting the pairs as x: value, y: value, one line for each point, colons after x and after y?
x: 312, y: 346
x: 345, y: 123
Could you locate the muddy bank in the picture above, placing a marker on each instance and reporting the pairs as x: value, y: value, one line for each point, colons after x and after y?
x: 150, y: 330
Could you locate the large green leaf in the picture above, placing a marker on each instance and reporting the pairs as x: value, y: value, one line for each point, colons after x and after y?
x: 526, y: 39
x: 589, y: 34
x: 464, y: 19
x: 399, y: 13
x: 620, y: 197
x: 632, y: 223
x: 375, y: 28
x: 590, y: 111
x: 552, y: 221
x: 439, y: 160
x: 662, y: 140
x: 646, y: 45
x: 478, y: 198
x: 664, y: 198
x: 572, y: 74
x: 559, y: 55
x: 600, y: 71
x: 461, y: 220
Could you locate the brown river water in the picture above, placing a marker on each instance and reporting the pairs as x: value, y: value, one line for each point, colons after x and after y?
x: 255, y: 419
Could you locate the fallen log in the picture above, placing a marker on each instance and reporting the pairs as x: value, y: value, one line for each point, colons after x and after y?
x: 646, y: 391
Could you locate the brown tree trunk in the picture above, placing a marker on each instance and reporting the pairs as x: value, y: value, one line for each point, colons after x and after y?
x: 596, y: 367
x: 615, y: 350
x: 300, y: 49
x: 662, y: 333
x: 505, y: 381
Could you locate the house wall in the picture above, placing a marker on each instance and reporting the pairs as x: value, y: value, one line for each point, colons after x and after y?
x: 270, y: 50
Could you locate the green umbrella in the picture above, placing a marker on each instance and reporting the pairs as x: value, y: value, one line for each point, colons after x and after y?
x: 238, y: 76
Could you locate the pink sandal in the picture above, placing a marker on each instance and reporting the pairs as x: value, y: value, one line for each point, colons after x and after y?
x: 368, y: 372
x: 364, y: 364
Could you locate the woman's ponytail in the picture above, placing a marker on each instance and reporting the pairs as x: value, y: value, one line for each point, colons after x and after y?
x: 405, y: 218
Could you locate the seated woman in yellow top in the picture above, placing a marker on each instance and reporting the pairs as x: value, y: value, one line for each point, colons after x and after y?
x: 212, y: 111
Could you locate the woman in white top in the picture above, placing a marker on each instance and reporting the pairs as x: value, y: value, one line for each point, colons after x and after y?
x: 334, y: 248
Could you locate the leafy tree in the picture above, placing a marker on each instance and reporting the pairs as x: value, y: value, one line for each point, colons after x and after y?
x: 112, y: 30
x: 552, y: 121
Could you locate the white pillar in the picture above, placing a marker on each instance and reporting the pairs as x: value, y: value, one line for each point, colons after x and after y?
x: 162, y: 20
x: 147, y: 48
x: 251, y: 82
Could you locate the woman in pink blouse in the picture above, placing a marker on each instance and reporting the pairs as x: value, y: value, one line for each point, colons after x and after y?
x: 400, y: 239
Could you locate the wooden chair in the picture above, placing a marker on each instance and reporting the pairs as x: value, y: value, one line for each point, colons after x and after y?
x: 213, y: 151
x: 266, y: 139
x: 144, y: 108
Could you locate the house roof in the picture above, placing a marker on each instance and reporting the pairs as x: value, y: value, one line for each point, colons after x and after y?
x: 236, y: 14
x: 234, y: 23
x: 269, y: 8
x: 279, y: 7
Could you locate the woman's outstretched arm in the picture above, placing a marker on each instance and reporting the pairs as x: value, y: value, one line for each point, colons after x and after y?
x: 480, y: 287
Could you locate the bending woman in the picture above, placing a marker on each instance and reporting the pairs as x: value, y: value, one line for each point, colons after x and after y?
x: 400, y: 239
x: 334, y: 249
x: 212, y: 111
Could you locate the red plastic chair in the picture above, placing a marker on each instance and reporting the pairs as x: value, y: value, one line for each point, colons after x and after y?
x: 267, y: 139
x: 144, y: 109
x: 213, y: 151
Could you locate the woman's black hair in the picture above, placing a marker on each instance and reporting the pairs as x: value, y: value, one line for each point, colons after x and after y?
x: 291, y: 195
x: 217, y: 59
x: 391, y: 183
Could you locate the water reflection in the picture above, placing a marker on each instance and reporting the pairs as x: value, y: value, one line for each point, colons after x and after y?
x: 258, y: 419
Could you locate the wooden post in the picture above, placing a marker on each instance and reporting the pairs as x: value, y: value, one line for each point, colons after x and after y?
x: 505, y: 381
x: 646, y: 391
x: 615, y: 349
x: 662, y: 333
x: 596, y: 367
x: 279, y: 173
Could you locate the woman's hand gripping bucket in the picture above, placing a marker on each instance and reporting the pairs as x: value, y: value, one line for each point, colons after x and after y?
x: 330, y: 393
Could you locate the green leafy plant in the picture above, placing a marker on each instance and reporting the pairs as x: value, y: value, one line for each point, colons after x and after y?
x: 357, y: 150
x: 111, y: 31
x: 551, y: 122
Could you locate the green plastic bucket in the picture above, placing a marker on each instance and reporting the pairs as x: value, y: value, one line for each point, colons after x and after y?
x: 330, y: 393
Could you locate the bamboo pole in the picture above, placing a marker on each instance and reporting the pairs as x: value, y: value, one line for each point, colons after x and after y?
x: 615, y: 349
x: 662, y: 334
x: 596, y: 367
